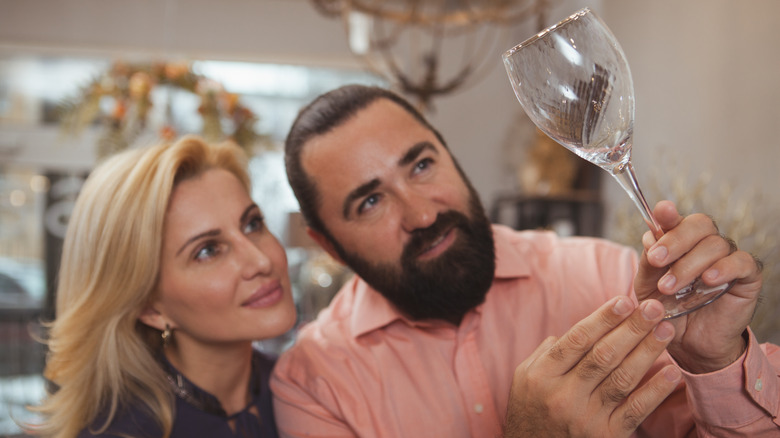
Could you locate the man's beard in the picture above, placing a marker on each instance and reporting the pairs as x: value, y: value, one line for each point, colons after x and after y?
x: 447, y: 286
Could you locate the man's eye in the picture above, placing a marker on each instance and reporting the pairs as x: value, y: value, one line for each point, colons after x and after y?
x: 423, y: 164
x: 368, y: 203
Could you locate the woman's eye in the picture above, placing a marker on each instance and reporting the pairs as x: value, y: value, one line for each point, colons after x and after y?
x: 255, y: 223
x: 206, y: 252
x: 368, y: 203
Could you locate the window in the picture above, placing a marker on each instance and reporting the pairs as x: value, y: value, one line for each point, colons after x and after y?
x: 41, y: 171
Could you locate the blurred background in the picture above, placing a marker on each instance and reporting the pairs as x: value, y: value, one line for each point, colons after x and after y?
x: 81, y: 79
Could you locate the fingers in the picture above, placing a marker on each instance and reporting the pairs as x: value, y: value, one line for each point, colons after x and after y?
x: 640, y: 339
x: 616, y: 336
x: 690, y: 246
x: 740, y: 266
x: 543, y: 348
x: 665, y: 213
x: 680, y: 240
x: 567, y: 351
x: 611, y: 352
x: 693, y: 248
x: 686, y: 267
x: 624, y: 378
x: 589, y: 377
x: 642, y: 402
x: 618, y: 361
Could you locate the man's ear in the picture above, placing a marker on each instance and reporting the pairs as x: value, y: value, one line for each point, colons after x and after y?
x: 151, y: 317
x: 325, y: 244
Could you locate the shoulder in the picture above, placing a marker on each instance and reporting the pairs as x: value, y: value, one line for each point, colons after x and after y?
x: 551, y: 282
x: 595, y: 268
x: 528, y: 246
x: 333, y: 326
x: 548, y: 241
x: 324, y: 347
x: 317, y: 344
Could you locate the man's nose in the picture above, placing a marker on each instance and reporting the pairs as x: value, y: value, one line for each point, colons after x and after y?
x: 419, y: 211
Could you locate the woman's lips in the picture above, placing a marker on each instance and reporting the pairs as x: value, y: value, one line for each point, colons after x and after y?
x: 266, y: 296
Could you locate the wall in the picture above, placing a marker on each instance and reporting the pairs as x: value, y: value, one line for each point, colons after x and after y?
x: 705, y: 73
x: 475, y: 121
x: 706, y: 79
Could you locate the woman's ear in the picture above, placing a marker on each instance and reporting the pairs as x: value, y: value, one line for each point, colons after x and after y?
x: 151, y: 317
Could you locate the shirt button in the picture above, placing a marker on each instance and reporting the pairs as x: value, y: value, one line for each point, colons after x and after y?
x: 478, y: 408
x: 759, y: 385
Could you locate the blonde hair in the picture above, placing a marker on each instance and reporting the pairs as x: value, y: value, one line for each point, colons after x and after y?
x: 100, y: 355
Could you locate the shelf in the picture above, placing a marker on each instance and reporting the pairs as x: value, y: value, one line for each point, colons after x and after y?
x: 577, y: 213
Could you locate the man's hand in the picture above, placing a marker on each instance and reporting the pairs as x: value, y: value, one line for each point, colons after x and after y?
x: 710, y: 338
x: 587, y: 382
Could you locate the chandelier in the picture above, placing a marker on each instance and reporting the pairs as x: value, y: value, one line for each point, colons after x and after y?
x: 429, y: 48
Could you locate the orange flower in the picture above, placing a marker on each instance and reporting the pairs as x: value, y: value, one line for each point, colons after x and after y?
x: 175, y: 70
x: 229, y: 102
x: 168, y: 133
x: 120, y: 109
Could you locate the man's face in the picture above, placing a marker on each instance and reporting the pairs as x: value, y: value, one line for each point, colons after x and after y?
x: 400, y: 214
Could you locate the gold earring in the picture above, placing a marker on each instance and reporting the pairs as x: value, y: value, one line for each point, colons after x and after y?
x: 166, y: 335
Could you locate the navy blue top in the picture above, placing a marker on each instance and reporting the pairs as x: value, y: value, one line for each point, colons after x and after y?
x: 199, y: 414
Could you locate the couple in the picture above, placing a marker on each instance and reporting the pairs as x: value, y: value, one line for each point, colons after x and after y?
x: 452, y: 327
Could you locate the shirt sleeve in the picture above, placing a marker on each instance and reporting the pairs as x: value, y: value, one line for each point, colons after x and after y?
x: 741, y: 400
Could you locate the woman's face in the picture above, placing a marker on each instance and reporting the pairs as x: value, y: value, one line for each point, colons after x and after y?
x: 223, y: 275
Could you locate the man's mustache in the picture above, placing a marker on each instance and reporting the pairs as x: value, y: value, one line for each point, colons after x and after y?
x: 422, y: 239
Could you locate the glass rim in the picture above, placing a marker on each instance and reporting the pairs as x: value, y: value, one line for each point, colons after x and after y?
x: 582, y: 12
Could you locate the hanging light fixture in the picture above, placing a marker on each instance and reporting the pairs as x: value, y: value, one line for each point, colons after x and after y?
x: 429, y: 48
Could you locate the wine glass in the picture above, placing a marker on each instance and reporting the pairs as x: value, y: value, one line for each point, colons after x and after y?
x: 573, y: 81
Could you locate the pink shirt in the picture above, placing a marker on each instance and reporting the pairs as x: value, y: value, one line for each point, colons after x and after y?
x: 362, y: 369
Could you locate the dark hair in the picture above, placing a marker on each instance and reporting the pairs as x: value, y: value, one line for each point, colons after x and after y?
x: 325, y: 113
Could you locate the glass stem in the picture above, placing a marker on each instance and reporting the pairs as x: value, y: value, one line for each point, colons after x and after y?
x: 625, y: 176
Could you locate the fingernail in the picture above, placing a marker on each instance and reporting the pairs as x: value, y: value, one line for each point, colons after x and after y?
x: 622, y: 306
x: 667, y: 281
x: 651, y: 312
x: 658, y: 253
x: 672, y: 374
x: 712, y: 274
x: 663, y: 332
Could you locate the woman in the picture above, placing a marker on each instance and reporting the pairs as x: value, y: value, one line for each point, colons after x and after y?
x: 168, y: 274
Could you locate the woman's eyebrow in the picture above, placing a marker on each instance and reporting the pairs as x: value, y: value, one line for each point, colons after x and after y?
x: 209, y: 233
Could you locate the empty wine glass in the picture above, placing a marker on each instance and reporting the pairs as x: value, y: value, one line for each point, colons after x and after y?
x: 573, y: 81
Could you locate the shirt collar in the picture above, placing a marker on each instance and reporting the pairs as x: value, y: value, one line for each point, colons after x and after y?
x: 201, y: 399
x: 372, y: 311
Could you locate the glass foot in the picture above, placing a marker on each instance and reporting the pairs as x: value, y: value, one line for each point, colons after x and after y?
x: 694, y: 296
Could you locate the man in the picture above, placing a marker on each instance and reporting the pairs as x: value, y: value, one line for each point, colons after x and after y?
x: 456, y: 328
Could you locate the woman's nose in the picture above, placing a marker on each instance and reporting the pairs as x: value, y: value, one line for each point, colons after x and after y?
x: 254, y: 261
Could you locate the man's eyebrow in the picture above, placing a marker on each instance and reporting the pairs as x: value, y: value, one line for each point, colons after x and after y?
x: 358, y: 193
x: 415, y: 152
x: 364, y: 189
